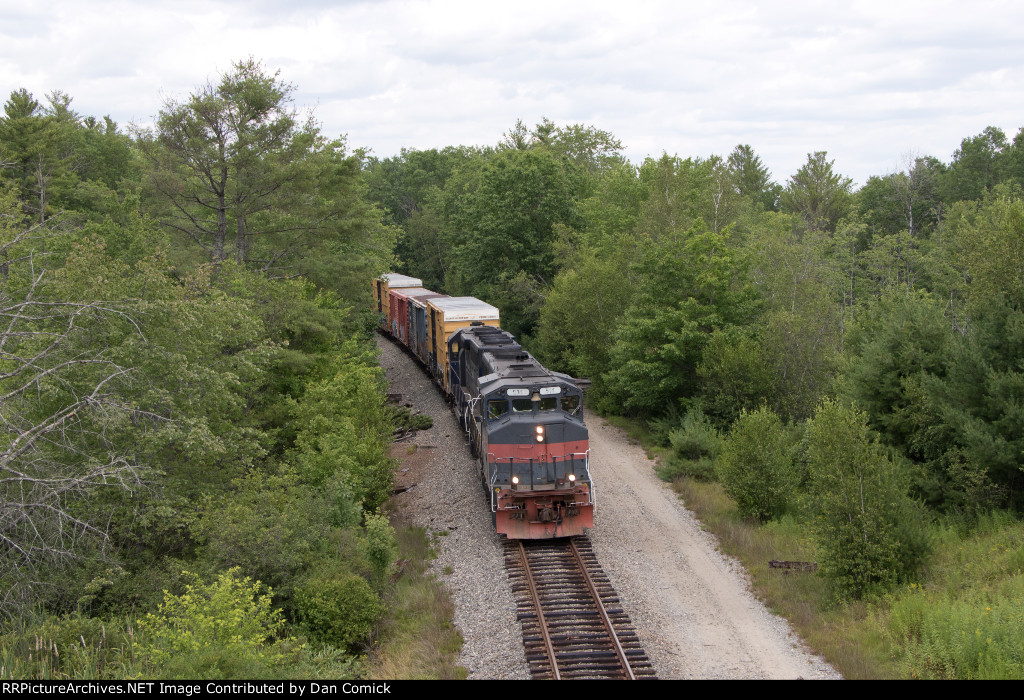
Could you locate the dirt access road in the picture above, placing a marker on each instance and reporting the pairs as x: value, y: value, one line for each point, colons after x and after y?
x: 694, y: 605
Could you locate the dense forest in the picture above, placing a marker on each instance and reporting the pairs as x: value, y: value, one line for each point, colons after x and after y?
x: 697, y: 293
x: 195, y: 433
x: 850, y: 361
x: 194, y: 450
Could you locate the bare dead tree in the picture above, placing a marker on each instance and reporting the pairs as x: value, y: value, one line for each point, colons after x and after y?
x: 63, y: 416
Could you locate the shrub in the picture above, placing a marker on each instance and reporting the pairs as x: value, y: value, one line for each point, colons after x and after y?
x: 338, y: 610
x: 695, y: 444
x: 217, y: 630
x: 381, y: 546
x: 696, y: 437
x: 345, y: 430
x: 270, y: 526
x: 756, y: 465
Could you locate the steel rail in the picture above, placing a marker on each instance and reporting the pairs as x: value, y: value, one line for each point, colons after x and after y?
x: 619, y: 651
x: 540, y: 612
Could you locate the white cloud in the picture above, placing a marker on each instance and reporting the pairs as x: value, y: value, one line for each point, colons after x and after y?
x: 866, y: 82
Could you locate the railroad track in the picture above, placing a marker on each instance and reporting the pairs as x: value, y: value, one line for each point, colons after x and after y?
x: 573, y: 625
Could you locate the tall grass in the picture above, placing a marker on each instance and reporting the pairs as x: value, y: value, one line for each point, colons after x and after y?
x: 967, y: 620
x: 416, y: 639
x: 63, y: 648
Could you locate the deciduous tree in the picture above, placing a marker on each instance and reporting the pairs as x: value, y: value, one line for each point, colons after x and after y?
x: 870, y: 533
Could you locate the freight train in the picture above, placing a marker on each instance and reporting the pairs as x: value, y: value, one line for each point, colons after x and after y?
x: 524, y: 423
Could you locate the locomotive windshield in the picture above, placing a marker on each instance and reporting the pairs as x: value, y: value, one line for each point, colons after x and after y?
x: 571, y: 404
x: 499, y: 407
x: 522, y: 405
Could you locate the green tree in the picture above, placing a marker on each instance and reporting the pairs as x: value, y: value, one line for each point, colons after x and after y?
x: 907, y: 200
x: 752, y: 179
x: 878, y: 206
x: 36, y: 146
x: 819, y: 194
x: 735, y: 375
x: 897, y: 341
x: 916, y: 192
x: 687, y: 289
x: 238, y: 175
x: 410, y: 189
x: 756, y: 465
x: 587, y: 148
x: 269, y: 526
x: 61, y: 162
x: 678, y: 192
x: 981, y: 399
x: 870, y: 534
x: 899, y: 353
x: 800, y: 331
x: 978, y: 165
x: 983, y: 389
x: 610, y: 214
x: 217, y: 158
x: 989, y: 241
x: 580, y: 314
x: 1014, y: 160
x: 512, y: 220
x: 345, y: 432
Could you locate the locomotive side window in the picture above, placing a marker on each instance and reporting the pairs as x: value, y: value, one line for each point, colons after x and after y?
x: 496, y: 408
x: 571, y: 404
x: 548, y: 403
x: 522, y: 405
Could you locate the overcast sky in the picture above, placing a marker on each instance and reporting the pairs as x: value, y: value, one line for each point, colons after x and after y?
x: 870, y: 82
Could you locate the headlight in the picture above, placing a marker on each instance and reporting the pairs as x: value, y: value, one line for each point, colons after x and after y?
x: 515, y: 480
x: 540, y: 433
x: 572, y: 477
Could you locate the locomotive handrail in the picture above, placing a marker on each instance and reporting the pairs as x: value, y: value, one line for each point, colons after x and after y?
x: 468, y: 403
x: 572, y: 456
